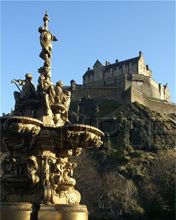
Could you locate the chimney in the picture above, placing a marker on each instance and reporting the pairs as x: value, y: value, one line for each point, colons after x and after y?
x: 88, y: 69
x: 140, y: 53
x: 116, y: 61
x: 107, y: 63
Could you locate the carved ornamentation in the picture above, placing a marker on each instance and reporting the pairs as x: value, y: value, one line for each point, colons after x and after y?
x: 22, y: 125
x: 24, y: 128
x: 66, y: 196
x: 19, y: 171
x: 62, y: 172
x: 88, y: 139
x: 19, y: 132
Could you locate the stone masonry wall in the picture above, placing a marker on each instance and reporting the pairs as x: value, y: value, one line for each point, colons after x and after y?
x: 132, y: 94
x: 153, y: 104
x: 112, y: 93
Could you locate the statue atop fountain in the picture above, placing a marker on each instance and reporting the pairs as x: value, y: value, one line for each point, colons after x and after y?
x: 44, y: 102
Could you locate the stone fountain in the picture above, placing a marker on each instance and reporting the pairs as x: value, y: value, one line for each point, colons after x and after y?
x: 37, y: 141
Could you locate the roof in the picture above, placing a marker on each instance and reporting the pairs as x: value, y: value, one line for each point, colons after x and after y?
x: 121, y: 63
x: 97, y: 63
x: 113, y: 65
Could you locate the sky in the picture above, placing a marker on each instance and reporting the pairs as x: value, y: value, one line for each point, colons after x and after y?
x: 86, y: 31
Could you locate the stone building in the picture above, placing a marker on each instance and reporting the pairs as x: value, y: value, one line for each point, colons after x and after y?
x: 125, y: 74
x: 125, y: 81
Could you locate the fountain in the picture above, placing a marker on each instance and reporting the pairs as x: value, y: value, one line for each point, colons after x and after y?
x: 37, y: 141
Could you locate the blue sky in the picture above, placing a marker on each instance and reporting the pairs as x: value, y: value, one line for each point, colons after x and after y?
x: 86, y: 30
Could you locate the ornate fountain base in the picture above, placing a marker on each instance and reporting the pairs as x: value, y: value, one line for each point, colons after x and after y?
x: 25, y: 211
x: 48, y: 212
x: 36, y: 169
x: 72, y: 212
x: 16, y: 211
x: 63, y: 212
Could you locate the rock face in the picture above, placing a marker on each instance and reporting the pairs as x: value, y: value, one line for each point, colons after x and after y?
x: 148, y: 129
x: 130, y: 125
x: 131, y: 176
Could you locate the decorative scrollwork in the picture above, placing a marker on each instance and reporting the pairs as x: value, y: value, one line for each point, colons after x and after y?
x: 62, y: 172
x: 85, y: 139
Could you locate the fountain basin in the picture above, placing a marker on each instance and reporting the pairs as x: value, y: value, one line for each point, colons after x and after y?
x: 71, y: 136
x: 18, y: 132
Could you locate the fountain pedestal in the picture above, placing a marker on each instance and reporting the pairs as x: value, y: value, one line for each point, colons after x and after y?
x: 63, y: 212
x: 16, y: 211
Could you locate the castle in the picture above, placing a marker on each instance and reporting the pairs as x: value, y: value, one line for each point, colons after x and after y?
x: 125, y: 81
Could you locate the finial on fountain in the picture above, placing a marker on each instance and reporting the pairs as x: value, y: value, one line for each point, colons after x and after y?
x: 46, y: 20
x: 46, y: 39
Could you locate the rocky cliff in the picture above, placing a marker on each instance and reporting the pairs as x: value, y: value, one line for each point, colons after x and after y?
x: 132, y: 175
x: 133, y: 124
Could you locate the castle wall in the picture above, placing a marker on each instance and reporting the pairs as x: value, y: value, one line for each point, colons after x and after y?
x: 159, y: 92
x: 111, y: 93
x: 97, y: 83
x: 133, y: 68
x: 98, y: 74
x: 141, y: 83
x: 153, y: 104
x: 142, y: 67
x: 118, y: 81
x: 131, y: 94
x: 148, y: 86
